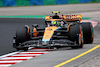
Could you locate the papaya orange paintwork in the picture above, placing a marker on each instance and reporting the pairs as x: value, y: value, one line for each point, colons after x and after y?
x: 35, y: 34
x: 49, y: 32
x: 28, y: 30
x: 66, y: 17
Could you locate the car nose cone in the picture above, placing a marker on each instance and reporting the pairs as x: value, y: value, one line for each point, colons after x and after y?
x: 45, y: 43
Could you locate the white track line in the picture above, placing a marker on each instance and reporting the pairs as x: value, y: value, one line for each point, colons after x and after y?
x: 9, y: 61
x: 27, y: 55
x: 17, y: 58
x: 34, y: 52
x: 9, y: 54
x: 5, y: 65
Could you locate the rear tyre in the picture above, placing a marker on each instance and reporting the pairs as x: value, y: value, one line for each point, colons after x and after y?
x: 76, y: 34
x: 88, y: 32
x: 22, y: 35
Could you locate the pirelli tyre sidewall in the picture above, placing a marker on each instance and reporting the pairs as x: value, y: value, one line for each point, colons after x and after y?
x: 88, y: 32
x: 76, y: 34
x: 80, y: 37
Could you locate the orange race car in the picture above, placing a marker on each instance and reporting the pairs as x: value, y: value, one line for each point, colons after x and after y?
x: 59, y: 31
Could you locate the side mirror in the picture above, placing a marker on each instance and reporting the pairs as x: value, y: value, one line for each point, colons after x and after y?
x: 35, y: 25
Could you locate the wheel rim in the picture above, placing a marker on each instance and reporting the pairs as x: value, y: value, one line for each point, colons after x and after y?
x: 92, y: 34
x: 81, y: 37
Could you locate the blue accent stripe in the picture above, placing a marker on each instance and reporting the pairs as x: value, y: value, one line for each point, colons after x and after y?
x: 58, y: 28
x: 45, y: 39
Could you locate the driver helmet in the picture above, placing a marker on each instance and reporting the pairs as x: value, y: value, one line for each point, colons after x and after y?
x: 55, y: 23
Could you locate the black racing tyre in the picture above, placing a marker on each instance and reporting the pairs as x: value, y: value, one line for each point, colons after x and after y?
x: 76, y: 34
x: 17, y: 49
x: 21, y: 36
x: 25, y: 48
x: 14, y: 45
x: 88, y: 32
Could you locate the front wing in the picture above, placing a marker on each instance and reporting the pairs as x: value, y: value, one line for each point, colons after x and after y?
x: 52, y: 43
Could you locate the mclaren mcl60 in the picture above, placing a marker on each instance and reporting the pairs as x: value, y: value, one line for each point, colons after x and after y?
x: 59, y: 31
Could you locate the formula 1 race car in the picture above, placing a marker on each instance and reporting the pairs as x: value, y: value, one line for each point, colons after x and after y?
x: 59, y: 31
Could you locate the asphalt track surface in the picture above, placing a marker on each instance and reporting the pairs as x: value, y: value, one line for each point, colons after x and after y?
x: 8, y: 28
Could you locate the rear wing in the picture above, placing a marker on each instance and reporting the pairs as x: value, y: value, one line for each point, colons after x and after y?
x: 72, y: 17
x: 67, y: 17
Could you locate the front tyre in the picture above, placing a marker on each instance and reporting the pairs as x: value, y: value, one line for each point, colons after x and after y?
x: 22, y: 35
x: 76, y: 34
